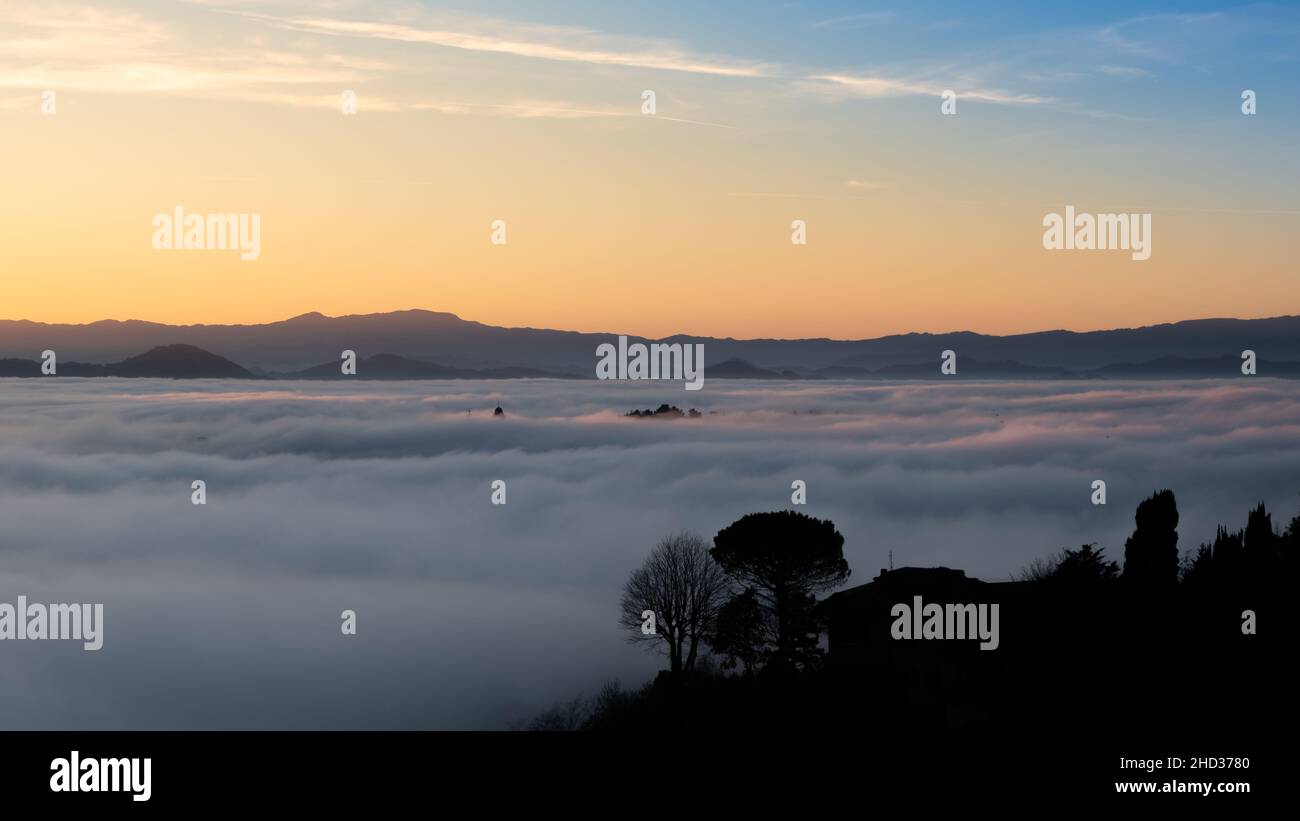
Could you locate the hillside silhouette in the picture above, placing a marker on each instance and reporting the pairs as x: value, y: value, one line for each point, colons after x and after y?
x: 1095, y: 646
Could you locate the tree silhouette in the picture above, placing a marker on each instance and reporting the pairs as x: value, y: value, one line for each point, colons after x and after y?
x: 1260, y: 543
x: 1151, y: 553
x: 1245, y: 559
x: 1227, y: 550
x: 1038, y: 569
x: 1292, y: 535
x: 1217, y: 563
x: 742, y: 632
x: 1087, y: 565
x: 785, y: 558
x: 1083, y: 566
x: 1196, y: 570
x: 562, y: 718
x: 1079, y: 625
x: 684, y: 588
x: 1288, y: 547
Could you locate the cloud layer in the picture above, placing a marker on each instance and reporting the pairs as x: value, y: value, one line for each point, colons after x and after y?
x: 375, y: 497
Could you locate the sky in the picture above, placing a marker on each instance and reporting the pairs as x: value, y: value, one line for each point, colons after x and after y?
x: 652, y: 224
x: 328, y: 496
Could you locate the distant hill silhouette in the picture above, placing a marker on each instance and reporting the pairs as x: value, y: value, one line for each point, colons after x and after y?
x: 1177, y: 367
x: 1167, y: 367
x: 179, y: 362
x: 304, y: 342
x: 163, y: 362
x: 738, y: 369
x: 967, y: 366
x: 390, y: 366
x: 189, y: 362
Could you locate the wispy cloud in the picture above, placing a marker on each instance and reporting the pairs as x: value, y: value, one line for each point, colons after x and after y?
x: 539, y: 42
x: 304, y: 54
x: 83, y: 48
x: 881, y: 86
x: 1130, y: 47
x: 549, y: 109
x: 853, y: 20
x: 80, y: 48
x: 1157, y: 36
x: 76, y: 48
x: 1124, y: 72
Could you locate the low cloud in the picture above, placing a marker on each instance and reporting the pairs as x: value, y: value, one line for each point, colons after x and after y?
x: 376, y: 497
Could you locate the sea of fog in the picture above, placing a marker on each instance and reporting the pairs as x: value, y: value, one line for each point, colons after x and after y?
x: 376, y: 497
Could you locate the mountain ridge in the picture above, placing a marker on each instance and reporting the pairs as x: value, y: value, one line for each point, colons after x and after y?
x: 188, y: 362
x: 309, y: 339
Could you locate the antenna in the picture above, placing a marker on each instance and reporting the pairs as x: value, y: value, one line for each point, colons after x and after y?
x: 891, y: 561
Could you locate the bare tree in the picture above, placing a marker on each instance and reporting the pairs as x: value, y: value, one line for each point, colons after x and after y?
x: 677, y: 591
x: 1038, y: 569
